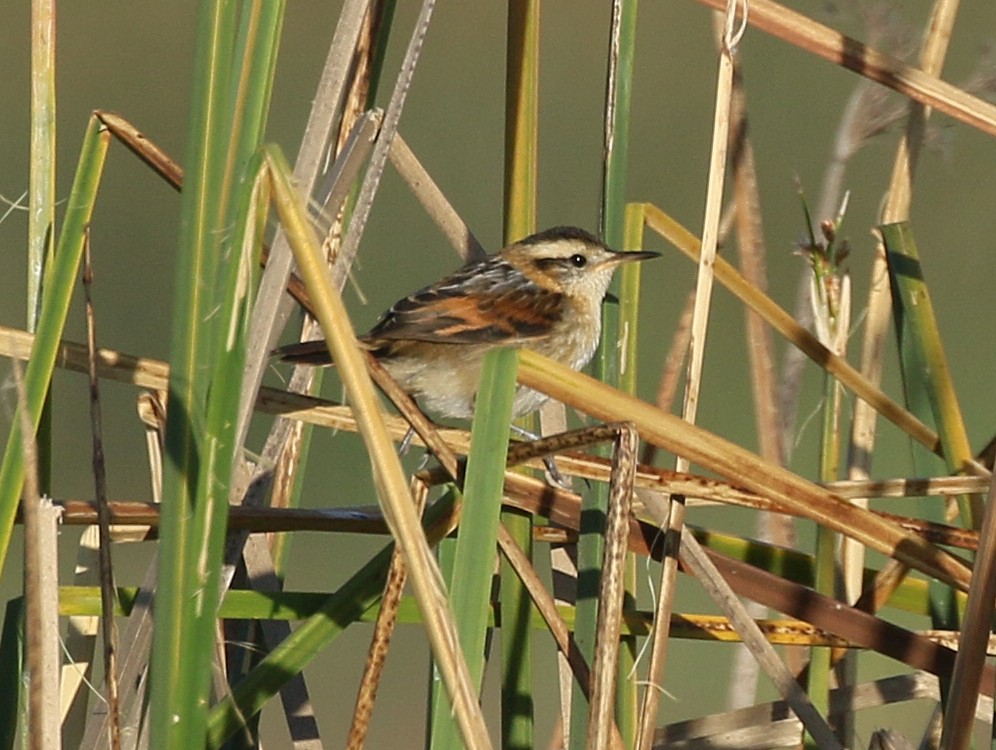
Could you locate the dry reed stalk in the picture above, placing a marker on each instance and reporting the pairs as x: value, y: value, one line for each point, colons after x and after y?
x: 389, y: 480
x: 152, y: 373
x: 434, y: 201
x: 547, y: 608
x: 694, y: 558
x: 824, y: 42
x: 612, y: 589
x: 788, y: 490
x: 137, y: 638
x: 773, y: 528
x: 673, y: 522
x: 803, y: 339
x: 145, y: 518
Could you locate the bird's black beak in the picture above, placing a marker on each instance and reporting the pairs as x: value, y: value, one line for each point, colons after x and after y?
x: 626, y: 257
x: 638, y: 255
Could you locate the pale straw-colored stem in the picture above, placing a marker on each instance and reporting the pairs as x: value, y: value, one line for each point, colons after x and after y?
x: 700, y: 322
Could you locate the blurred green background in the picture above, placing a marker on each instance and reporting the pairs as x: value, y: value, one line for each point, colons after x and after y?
x: 135, y: 59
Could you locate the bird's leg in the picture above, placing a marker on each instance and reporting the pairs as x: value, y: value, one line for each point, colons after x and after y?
x: 522, y: 432
x: 406, y: 441
x: 551, y: 467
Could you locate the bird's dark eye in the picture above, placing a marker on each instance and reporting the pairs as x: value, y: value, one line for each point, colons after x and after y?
x: 578, y: 260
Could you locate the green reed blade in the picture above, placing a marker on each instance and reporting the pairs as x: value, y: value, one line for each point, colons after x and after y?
x: 470, y: 591
x: 61, y: 279
x: 446, y: 555
x: 943, y: 607
x: 520, y: 187
x: 910, y: 291
x: 928, y: 390
x: 214, y: 282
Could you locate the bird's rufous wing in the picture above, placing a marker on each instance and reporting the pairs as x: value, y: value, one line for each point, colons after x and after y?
x: 472, y: 309
x: 489, y: 302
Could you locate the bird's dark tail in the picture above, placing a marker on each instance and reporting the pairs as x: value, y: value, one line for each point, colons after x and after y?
x: 305, y: 353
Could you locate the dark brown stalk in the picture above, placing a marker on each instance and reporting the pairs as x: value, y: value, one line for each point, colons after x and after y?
x: 956, y: 733
x: 108, y: 591
x: 612, y: 589
x: 387, y: 616
x: 547, y: 608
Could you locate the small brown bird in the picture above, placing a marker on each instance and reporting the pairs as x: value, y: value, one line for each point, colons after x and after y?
x: 543, y: 293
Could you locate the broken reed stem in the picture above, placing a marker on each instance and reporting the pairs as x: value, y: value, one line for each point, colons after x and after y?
x: 442, y: 213
x: 40, y: 591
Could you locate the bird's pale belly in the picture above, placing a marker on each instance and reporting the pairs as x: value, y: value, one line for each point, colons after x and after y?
x: 445, y: 383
